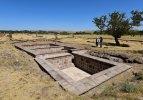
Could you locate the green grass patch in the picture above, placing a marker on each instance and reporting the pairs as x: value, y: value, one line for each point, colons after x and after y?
x: 128, y: 87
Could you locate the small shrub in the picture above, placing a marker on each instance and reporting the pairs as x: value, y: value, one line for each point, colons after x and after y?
x: 10, y: 36
x: 138, y: 76
x: 128, y: 87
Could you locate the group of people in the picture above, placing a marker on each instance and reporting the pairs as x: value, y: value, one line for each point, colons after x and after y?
x: 99, y: 42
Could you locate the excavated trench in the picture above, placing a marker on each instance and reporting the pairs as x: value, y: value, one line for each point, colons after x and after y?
x: 75, y: 70
x: 77, y: 66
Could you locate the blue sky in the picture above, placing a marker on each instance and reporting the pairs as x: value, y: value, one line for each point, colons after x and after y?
x: 72, y: 15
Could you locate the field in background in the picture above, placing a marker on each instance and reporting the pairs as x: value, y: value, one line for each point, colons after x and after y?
x: 135, y: 43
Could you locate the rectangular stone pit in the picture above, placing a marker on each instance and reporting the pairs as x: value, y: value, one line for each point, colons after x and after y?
x: 76, y: 71
x: 36, y: 49
x: 90, y: 64
x: 81, y: 72
x: 63, y: 62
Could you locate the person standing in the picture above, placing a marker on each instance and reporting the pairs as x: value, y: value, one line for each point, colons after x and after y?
x: 101, y: 42
x: 97, y: 42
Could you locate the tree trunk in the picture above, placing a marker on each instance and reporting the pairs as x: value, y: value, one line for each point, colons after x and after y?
x: 56, y: 36
x: 72, y: 35
x: 36, y: 34
x: 10, y: 36
x: 117, y: 41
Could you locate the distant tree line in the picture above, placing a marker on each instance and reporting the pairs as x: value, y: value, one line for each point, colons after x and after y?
x: 43, y: 32
x: 23, y: 31
x: 132, y: 32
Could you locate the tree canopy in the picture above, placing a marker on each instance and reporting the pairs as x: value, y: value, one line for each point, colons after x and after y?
x: 118, y: 24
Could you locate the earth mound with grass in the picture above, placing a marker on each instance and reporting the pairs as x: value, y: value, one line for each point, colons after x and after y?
x: 118, y: 56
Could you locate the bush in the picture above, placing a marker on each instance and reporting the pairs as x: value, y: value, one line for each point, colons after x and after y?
x: 128, y: 87
x: 138, y: 76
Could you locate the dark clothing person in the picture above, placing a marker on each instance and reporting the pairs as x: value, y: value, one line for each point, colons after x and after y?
x: 101, y: 42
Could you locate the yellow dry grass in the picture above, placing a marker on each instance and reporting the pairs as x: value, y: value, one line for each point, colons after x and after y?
x: 22, y: 79
x: 89, y: 41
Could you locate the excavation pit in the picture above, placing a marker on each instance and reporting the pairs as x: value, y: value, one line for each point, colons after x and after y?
x: 77, y: 66
x: 36, y: 49
x: 77, y: 71
x: 89, y: 64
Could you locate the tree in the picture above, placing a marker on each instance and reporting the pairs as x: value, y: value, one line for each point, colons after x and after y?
x: 10, y: 35
x: 100, y: 23
x: 117, y: 24
x: 137, y: 17
x: 56, y: 35
x: 73, y: 34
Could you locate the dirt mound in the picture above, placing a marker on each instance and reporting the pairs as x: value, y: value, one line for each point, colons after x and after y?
x: 118, y: 56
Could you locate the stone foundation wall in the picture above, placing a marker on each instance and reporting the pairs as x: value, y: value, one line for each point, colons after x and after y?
x: 48, y: 50
x: 62, y: 62
x: 39, y: 46
x: 90, y: 65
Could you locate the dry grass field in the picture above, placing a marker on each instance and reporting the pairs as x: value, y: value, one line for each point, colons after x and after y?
x: 135, y: 43
x: 22, y: 79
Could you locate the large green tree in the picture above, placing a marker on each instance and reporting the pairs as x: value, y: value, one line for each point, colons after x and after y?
x: 117, y: 24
